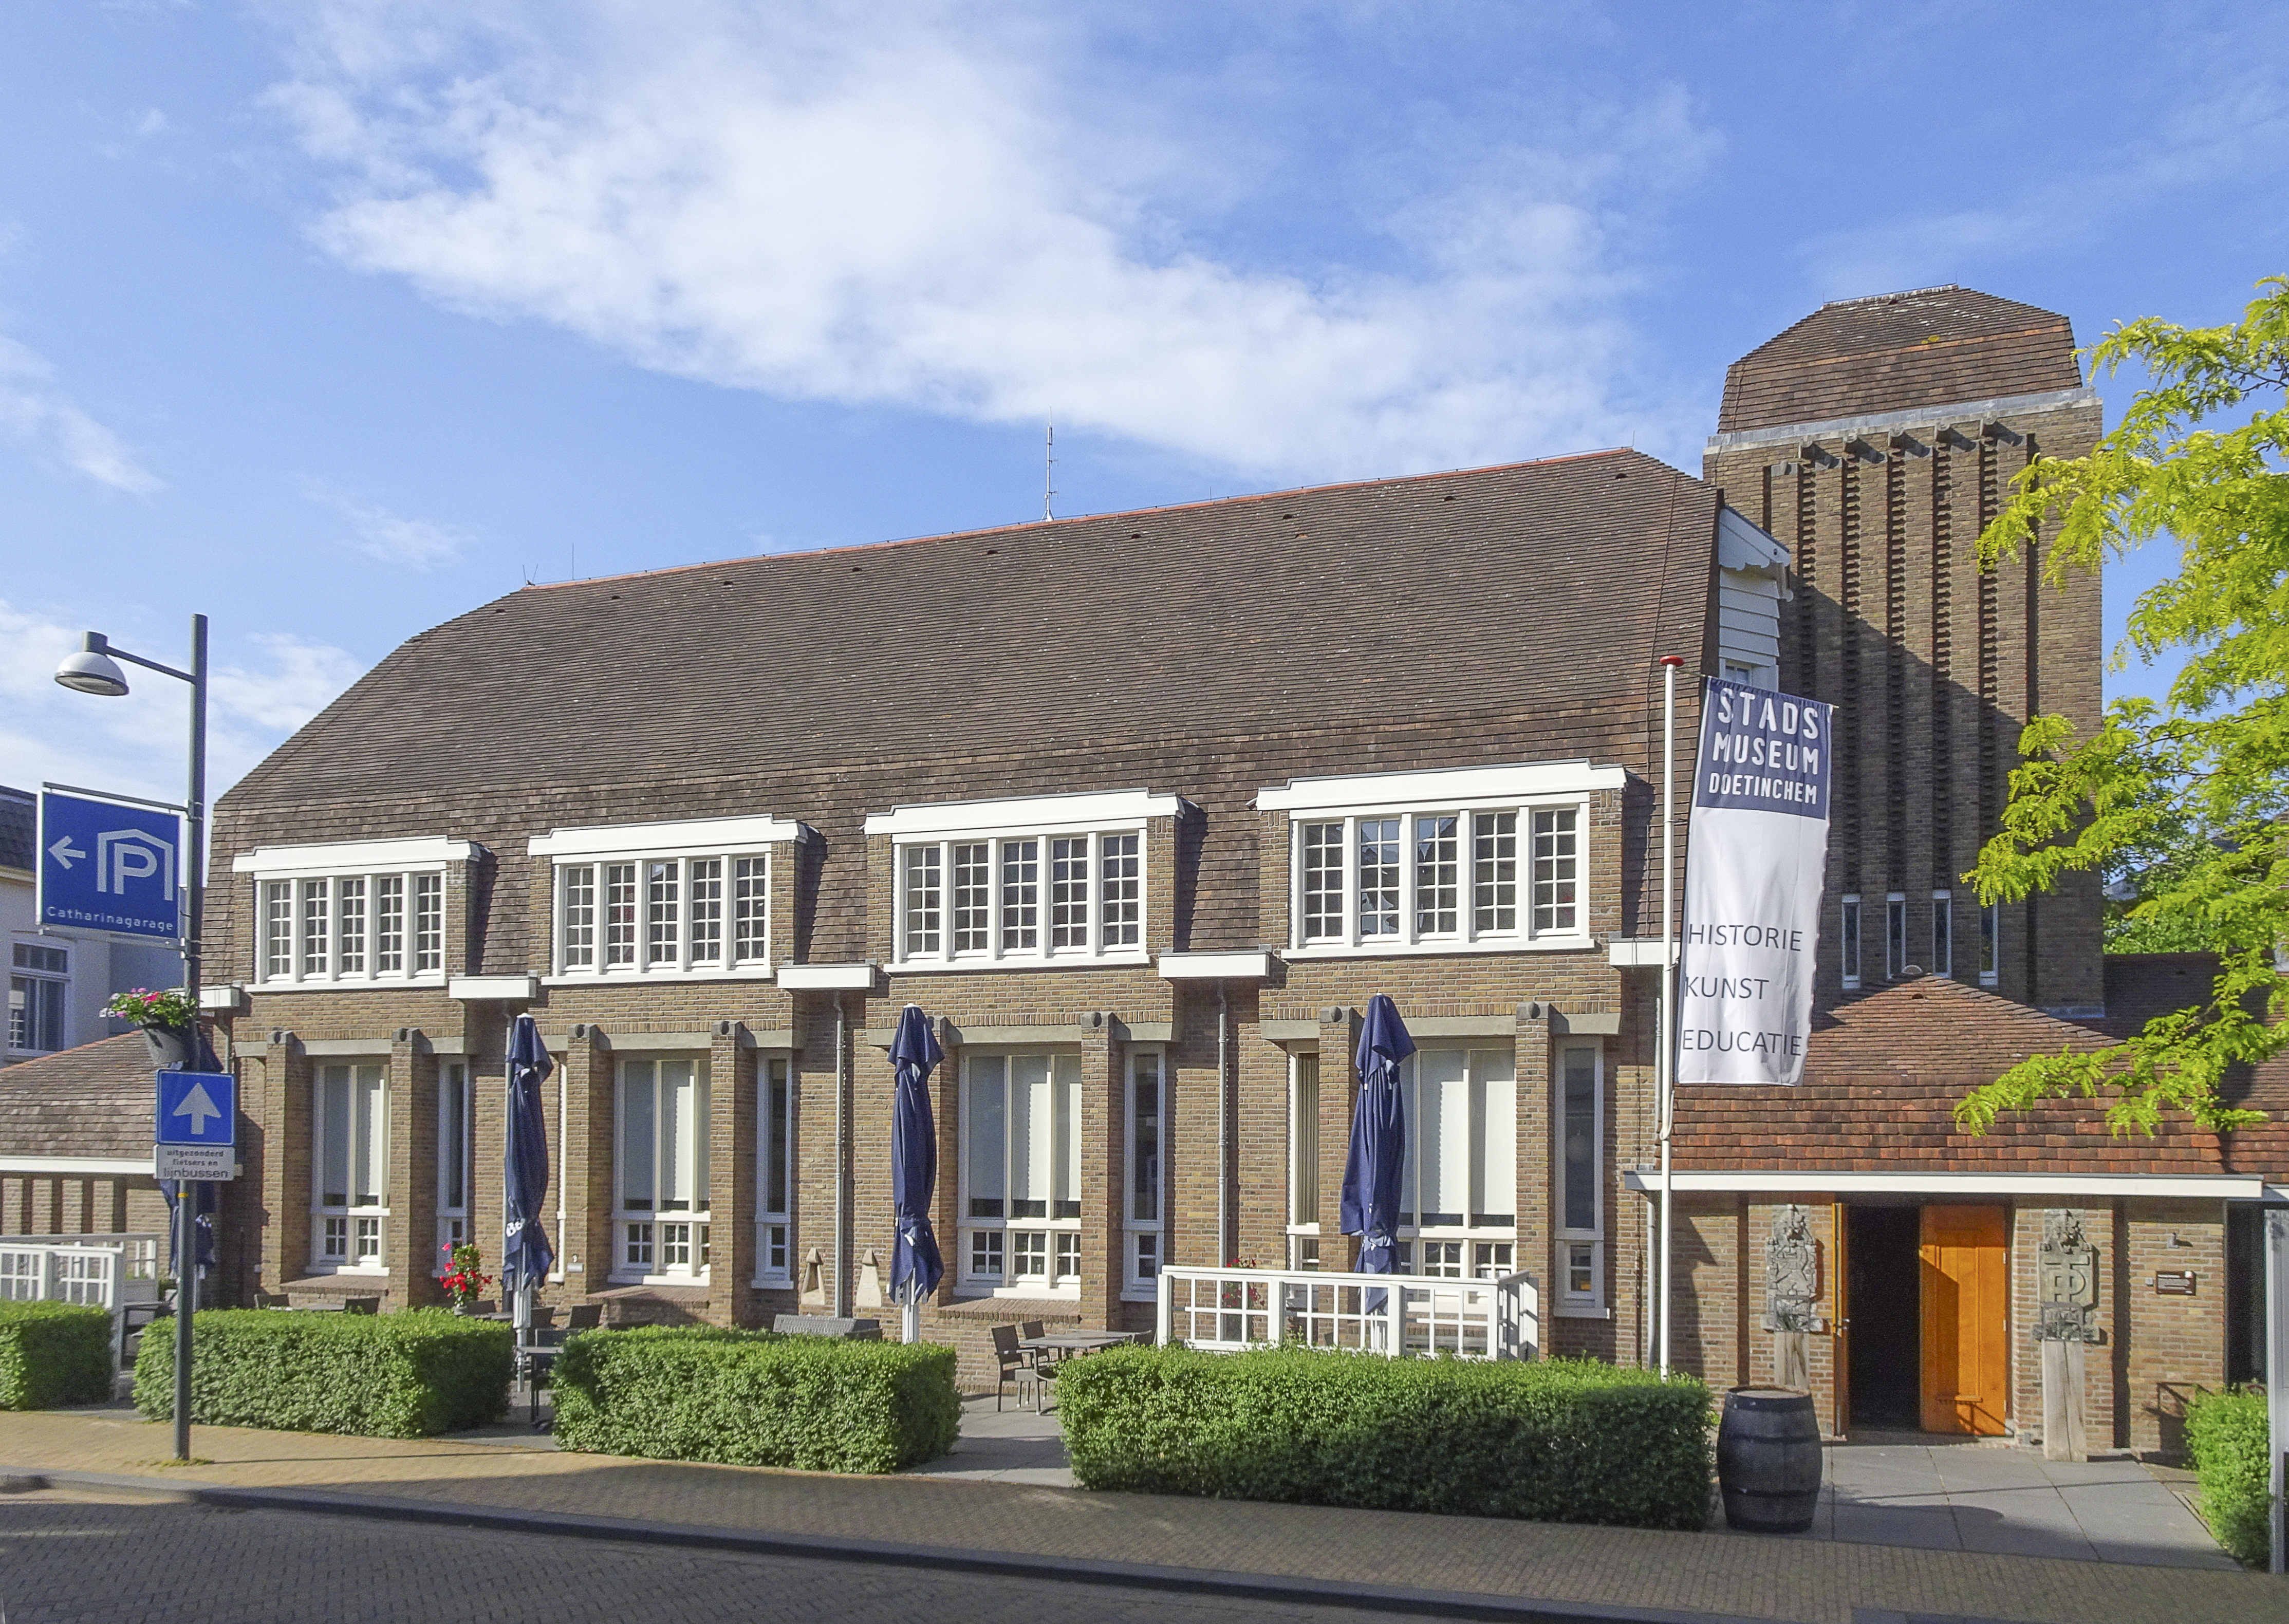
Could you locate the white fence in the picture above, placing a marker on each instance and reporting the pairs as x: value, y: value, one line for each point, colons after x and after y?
x: 104, y: 1271
x: 1224, y: 1310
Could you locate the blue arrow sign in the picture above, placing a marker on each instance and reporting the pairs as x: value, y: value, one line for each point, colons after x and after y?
x: 198, y: 1108
x: 106, y: 867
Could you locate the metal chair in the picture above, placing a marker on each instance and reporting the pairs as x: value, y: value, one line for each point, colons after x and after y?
x: 1014, y: 1367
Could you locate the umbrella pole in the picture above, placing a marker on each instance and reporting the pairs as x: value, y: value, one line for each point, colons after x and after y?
x: 909, y: 1329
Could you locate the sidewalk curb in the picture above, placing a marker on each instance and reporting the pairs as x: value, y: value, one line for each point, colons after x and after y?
x: 816, y: 1547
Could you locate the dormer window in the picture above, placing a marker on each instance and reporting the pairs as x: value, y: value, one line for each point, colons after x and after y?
x: 1049, y: 879
x: 1467, y: 859
x: 643, y: 900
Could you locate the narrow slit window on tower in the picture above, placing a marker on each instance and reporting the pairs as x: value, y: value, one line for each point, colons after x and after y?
x: 1942, y: 946
x: 1848, y: 941
x: 1990, y: 944
x: 1896, y: 935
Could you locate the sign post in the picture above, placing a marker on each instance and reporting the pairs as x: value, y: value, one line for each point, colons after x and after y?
x: 196, y: 1141
x: 2276, y: 1378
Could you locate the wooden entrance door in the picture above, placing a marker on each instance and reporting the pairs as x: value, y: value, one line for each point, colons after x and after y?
x: 1965, y: 1313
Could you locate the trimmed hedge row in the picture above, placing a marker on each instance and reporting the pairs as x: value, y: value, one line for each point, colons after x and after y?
x: 2225, y: 1432
x: 404, y: 1375
x: 755, y: 1399
x: 1560, y: 1440
x: 53, y: 1353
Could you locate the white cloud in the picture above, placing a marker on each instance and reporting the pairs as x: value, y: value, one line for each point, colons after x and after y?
x: 410, y: 544
x: 893, y: 205
x: 135, y: 746
x: 35, y: 414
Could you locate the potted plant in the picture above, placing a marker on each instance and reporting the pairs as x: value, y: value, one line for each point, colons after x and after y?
x: 462, y: 1283
x: 170, y: 1020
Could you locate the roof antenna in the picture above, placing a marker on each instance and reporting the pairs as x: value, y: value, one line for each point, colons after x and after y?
x: 1050, y: 473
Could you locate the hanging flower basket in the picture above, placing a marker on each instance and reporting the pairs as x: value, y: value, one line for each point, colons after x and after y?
x: 170, y: 1020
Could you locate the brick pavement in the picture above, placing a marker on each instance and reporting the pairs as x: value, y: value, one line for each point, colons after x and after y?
x: 1815, y: 1582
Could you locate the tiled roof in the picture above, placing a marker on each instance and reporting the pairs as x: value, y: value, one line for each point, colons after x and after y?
x: 91, y: 1101
x: 1895, y: 351
x: 1492, y: 615
x: 18, y: 834
x: 1882, y: 1079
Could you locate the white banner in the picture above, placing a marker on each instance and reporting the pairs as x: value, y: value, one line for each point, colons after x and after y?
x: 1756, y: 844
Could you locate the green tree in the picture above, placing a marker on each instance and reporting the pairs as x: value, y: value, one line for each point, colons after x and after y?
x: 2188, y: 801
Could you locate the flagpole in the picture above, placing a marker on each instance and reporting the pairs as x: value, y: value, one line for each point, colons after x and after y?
x: 1665, y: 1063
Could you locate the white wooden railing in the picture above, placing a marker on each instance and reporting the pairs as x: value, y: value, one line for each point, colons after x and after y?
x: 104, y: 1271
x: 1225, y: 1310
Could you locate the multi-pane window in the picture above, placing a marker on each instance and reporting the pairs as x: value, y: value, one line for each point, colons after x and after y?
x: 1581, y: 1164
x: 1021, y: 1171
x: 774, y: 1175
x: 663, y: 915
x: 456, y: 1152
x: 1141, y: 1202
x: 1078, y: 895
x: 38, y: 990
x: 352, y: 928
x: 1943, y: 949
x: 350, y: 1166
x: 1303, y: 1161
x: 1437, y: 879
x: 660, y: 1171
x: 1848, y: 940
x: 1459, y: 1197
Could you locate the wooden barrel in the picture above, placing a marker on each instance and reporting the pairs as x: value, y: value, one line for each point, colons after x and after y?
x: 1768, y: 1460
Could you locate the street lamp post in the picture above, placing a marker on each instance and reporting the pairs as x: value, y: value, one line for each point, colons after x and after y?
x: 95, y: 670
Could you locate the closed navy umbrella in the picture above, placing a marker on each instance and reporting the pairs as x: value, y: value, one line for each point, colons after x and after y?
x: 915, y: 1266
x: 526, y: 1256
x: 1377, y: 1162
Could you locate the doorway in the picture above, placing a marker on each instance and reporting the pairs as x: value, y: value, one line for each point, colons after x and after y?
x: 1883, y: 1349
x: 1965, y: 1320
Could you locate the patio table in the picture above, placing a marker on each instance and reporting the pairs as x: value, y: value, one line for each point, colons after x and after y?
x: 1068, y: 1344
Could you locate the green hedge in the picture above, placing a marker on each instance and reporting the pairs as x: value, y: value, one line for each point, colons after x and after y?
x: 404, y: 1375
x: 53, y: 1353
x: 755, y: 1399
x: 2226, y: 1434
x: 1561, y: 1441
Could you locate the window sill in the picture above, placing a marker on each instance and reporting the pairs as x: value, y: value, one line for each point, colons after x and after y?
x: 1063, y: 961
x: 692, y: 1282
x: 972, y: 1292
x: 1580, y: 1310
x: 356, y: 1271
x: 1140, y: 1293
x: 1420, y: 950
x: 772, y: 1283
x: 637, y: 978
x: 427, y: 981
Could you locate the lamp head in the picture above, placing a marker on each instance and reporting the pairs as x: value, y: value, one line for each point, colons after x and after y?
x: 91, y: 670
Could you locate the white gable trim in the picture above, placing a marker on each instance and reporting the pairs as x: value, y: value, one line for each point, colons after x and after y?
x: 704, y: 836
x: 351, y: 857
x: 1446, y: 786
x: 1025, y: 815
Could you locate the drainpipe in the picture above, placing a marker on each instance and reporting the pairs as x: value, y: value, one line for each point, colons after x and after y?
x: 1224, y: 1129
x: 839, y: 1297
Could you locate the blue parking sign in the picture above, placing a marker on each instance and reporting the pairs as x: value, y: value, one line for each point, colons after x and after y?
x: 112, y: 868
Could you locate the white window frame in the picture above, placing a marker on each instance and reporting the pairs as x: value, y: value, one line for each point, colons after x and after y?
x: 670, y: 856
x: 1141, y: 1236
x: 775, y: 1254
x: 22, y: 979
x: 455, y: 1087
x: 357, y: 1224
x: 298, y: 893
x: 1462, y: 1244
x: 1461, y: 793
x: 1056, y: 1239
x: 1301, y: 1194
x: 697, y: 1219
x: 1004, y: 828
x: 1847, y: 940
x: 1942, y: 953
x: 1567, y: 1300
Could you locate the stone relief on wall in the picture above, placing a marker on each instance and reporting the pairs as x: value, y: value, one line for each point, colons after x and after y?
x: 2066, y: 1282
x: 1791, y: 1271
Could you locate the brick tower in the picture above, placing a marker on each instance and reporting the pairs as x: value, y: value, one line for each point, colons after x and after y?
x: 1875, y: 439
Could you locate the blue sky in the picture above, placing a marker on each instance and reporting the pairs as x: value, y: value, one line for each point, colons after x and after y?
x: 335, y: 319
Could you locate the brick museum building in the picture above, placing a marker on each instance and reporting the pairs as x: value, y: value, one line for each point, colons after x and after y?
x: 1144, y: 809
